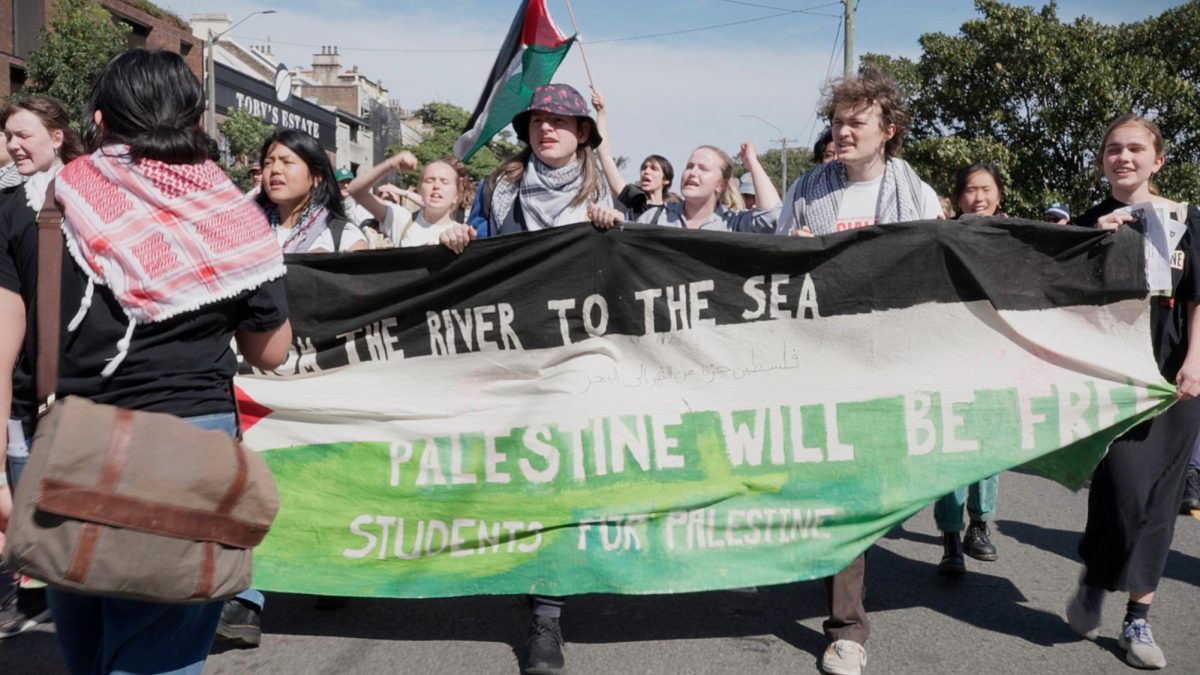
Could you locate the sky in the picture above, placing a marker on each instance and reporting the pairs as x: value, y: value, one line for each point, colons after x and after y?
x: 675, y: 74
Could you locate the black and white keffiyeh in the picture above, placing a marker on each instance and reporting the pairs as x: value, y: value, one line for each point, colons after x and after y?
x: 546, y: 195
x: 814, y: 199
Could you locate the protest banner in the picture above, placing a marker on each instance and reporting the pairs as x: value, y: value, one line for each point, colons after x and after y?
x: 651, y: 410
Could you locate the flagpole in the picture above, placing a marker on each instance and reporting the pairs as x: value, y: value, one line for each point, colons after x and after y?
x: 579, y: 39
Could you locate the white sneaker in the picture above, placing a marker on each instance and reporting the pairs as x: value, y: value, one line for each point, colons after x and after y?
x: 844, y: 657
x: 1083, y: 610
x: 1140, y: 649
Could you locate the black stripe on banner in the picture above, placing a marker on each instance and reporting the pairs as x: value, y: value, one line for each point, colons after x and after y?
x: 528, y: 285
x: 508, y: 51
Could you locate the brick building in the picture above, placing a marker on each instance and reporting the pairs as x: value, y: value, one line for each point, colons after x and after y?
x: 150, y: 27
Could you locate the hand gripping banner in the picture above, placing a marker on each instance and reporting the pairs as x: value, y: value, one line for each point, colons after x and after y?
x: 651, y: 410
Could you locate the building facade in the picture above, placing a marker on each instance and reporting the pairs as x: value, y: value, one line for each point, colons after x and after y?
x: 150, y: 27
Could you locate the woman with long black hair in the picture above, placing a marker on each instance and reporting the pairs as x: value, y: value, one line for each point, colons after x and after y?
x: 165, y: 264
x: 301, y: 197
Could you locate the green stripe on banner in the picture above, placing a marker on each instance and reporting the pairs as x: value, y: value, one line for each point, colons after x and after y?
x: 657, y: 503
x: 538, y: 65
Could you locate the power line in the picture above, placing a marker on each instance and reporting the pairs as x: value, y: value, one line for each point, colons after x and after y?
x: 837, y: 37
x: 806, y: 10
x: 629, y: 38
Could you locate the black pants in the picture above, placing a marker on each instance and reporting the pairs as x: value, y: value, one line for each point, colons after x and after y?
x: 1134, y: 501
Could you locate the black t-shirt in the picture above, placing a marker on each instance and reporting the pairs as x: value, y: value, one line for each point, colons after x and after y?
x: 1168, y: 315
x: 182, y: 366
x: 635, y: 201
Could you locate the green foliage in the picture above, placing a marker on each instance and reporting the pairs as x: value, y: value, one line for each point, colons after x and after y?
x: 160, y: 13
x: 79, y: 41
x: 1019, y: 87
x: 799, y: 163
x: 448, y: 121
x: 245, y: 134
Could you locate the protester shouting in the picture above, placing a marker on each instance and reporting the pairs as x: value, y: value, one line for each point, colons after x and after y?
x: 556, y: 175
x: 123, y: 344
x: 1136, y: 489
x: 706, y: 178
x: 442, y: 193
x: 867, y: 184
x: 977, y: 192
x: 655, y: 175
x: 301, y: 197
x: 39, y: 139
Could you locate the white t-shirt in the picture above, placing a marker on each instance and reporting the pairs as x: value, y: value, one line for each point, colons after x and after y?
x: 861, y: 200
x: 420, y: 233
x: 356, y: 212
x: 351, y: 235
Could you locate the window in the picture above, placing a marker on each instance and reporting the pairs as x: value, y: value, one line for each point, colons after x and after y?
x: 16, y: 79
x: 353, y: 133
x: 185, y: 48
x: 137, y: 35
x: 26, y: 26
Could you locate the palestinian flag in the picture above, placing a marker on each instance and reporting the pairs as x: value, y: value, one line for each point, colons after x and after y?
x: 527, y: 60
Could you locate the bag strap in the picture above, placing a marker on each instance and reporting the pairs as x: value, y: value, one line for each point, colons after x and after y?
x: 336, y: 227
x: 49, y: 298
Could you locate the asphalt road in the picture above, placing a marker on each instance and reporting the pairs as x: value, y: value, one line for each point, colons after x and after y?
x: 1004, y: 617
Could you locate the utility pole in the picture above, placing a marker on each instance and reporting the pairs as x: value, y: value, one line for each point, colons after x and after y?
x: 783, y: 143
x: 848, y: 69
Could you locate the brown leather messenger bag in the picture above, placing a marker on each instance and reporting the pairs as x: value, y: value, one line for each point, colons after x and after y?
x: 125, y: 503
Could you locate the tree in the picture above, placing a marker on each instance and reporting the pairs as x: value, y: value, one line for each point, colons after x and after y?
x: 245, y: 134
x: 1033, y: 94
x: 447, y: 121
x: 799, y: 163
x: 79, y: 41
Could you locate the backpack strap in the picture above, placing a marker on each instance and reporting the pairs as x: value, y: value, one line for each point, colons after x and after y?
x: 48, y: 297
x: 337, y: 227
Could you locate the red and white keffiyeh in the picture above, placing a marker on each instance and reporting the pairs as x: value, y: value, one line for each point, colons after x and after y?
x: 165, y: 238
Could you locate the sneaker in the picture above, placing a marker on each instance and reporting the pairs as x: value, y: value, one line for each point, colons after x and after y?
x: 952, y: 564
x: 240, y: 625
x: 1140, y: 648
x: 977, y: 542
x: 21, y: 610
x: 1191, y: 493
x: 844, y: 657
x: 1083, y: 611
x: 544, y: 647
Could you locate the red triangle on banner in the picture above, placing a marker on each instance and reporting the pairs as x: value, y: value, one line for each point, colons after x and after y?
x: 251, y: 411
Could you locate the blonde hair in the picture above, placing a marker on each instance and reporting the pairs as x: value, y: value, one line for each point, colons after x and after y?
x: 730, y: 198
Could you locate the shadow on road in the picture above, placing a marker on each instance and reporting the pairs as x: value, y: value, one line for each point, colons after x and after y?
x: 894, y: 582
x: 1180, y: 566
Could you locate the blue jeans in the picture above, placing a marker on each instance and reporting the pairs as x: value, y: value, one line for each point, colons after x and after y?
x: 17, y: 452
x: 979, y: 498
x: 104, y: 635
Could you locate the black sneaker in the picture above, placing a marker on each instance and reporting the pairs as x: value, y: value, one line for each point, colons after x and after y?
x: 1191, y: 493
x: 240, y: 625
x: 977, y: 542
x: 21, y: 610
x: 952, y: 564
x: 544, y: 648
